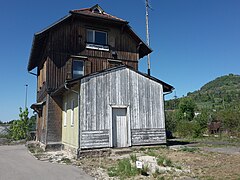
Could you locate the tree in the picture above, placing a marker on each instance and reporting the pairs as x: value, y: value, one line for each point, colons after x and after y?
x: 20, y: 128
x: 186, y: 109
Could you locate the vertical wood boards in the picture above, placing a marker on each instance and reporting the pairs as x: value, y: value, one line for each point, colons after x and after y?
x: 120, y: 127
x: 123, y: 87
x: 69, y: 38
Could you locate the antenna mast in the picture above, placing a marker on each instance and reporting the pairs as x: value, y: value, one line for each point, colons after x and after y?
x: 147, y: 35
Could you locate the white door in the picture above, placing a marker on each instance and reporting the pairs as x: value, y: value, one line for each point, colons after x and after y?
x: 120, y: 127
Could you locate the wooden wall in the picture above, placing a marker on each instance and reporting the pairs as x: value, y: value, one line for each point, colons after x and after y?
x: 127, y: 88
x: 69, y: 38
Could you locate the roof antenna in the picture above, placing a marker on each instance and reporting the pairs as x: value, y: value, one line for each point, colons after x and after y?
x: 147, y: 35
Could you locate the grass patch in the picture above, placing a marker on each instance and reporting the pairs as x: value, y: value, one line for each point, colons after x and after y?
x: 133, y: 157
x: 156, y: 173
x: 164, y: 161
x: 66, y: 160
x: 189, y: 149
x: 123, y: 169
x: 151, y: 152
x: 35, y: 149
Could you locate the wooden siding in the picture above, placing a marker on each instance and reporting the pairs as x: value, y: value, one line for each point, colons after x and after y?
x: 69, y: 39
x: 148, y: 136
x: 121, y: 87
x: 95, y: 139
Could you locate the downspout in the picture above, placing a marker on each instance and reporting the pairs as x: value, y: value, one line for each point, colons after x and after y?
x: 79, y: 122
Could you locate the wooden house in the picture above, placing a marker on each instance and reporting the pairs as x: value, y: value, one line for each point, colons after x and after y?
x: 90, y: 93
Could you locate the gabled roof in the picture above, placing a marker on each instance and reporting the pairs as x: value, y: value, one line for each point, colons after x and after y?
x: 166, y: 87
x: 40, y: 37
x: 100, y: 13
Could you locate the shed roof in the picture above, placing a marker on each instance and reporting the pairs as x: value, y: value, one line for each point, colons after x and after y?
x: 166, y: 87
x: 40, y: 37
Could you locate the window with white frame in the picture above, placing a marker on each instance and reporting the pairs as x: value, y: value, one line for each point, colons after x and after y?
x: 97, y: 40
x: 65, y: 114
x: 72, y: 112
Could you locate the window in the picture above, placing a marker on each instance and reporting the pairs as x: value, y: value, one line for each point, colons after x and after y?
x: 78, y: 70
x: 96, y: 37
x: 72, y: 112
x: 65, y: 114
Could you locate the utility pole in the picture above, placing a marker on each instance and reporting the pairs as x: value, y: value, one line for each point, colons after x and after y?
x: 26, y: 95
x: 147, y: 35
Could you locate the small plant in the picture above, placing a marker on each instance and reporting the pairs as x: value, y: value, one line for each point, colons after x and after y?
x: 66, y: 160
x: 133, y: 157
x: 188, y: 149
x: 123, y: 169
x: 167, y: 162
x: 151, y: 153
x: 160, y: 160
x: 144, y: 170
x: 156, y: 173
x: 160, y: 178
x: 163, y: 161
x: 35, y: 149
x: 178, y: 167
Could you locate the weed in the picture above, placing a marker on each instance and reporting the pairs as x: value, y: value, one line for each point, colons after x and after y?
x: 123, y: 169
x: 156, y: 173
x: 35, y: 149
x: 160, y: 178
x: 151, y: 153
x: 167, y: 162
x: 178, y: 167
x: 133, y: 157
x: 66, y: 160
x: 143, y: 149
x: 163, y: 161
x: 160, y: 160
x: 189, y: 149
x: 144, y: 170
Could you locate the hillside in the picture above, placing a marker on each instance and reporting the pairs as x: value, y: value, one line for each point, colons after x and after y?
x: 220, y: 93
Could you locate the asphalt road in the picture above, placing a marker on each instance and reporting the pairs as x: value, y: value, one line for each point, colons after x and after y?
x: 17, y: 164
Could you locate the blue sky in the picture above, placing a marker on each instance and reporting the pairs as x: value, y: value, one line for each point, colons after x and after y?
x: 194, y: 41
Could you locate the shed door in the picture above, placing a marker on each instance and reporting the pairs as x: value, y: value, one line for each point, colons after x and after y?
x: 120, y: 127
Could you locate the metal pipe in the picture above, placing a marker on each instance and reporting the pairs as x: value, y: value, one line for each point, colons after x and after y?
x: 79, y: 122
x: 147, y: 35
x: 26, y: 96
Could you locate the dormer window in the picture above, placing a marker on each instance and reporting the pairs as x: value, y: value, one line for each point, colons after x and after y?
x: 97, y: 40
x: 96, y: 10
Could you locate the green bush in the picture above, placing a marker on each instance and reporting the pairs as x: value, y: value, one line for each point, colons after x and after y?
x: 189, y: 129
x: 19, y: 129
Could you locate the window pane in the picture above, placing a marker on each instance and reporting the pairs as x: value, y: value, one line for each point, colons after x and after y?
x: 77, y: 68
x: 90, y: 36
x: 100, y: 37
